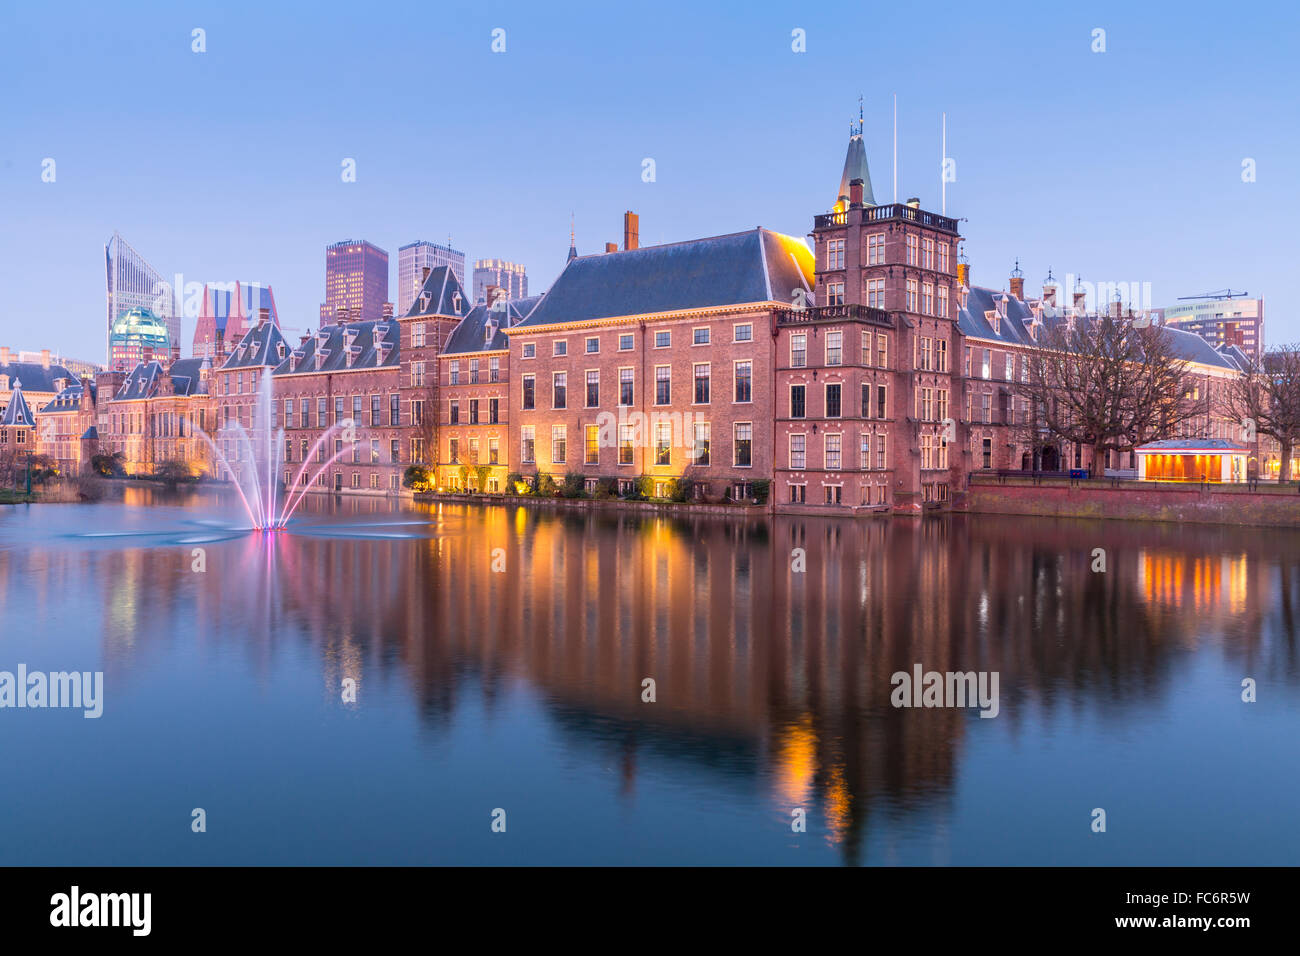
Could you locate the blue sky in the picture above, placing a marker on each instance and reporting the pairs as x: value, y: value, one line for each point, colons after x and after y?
x: 1119, y: 166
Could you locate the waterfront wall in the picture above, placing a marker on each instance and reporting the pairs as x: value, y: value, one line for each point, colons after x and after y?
x: 1136, y: 501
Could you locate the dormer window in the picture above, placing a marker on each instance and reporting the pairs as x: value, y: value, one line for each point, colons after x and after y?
x: 994, y: 320
x: 455, y: 302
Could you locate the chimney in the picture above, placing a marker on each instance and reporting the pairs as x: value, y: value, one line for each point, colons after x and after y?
x: 855, y: 192
x: 611, y: 247
x: 4, y: 356
x: 45, y: 358
x: 263, y: 317
x: 492, y: 292
x: 1018, y: 282
x: 1117, y: 307
x: 631, y: 230
x: 1080, y: 301
x: 1049, y: 294
x: 219, y: 352
x: 424, y: 274
x: 914, y: 202
x: 388, y: 311
x: 341, y: 315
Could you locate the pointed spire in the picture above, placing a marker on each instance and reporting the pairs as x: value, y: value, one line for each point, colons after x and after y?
x: 855, y: 167
x: 573, y: 248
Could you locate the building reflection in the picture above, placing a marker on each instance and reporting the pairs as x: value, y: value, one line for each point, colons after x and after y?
x: 766, y: 676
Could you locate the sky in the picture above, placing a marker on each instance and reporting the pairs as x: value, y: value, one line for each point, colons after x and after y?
x: 1117, y: 165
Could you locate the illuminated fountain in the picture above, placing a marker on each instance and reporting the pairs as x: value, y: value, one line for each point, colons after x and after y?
x: 258, y: 457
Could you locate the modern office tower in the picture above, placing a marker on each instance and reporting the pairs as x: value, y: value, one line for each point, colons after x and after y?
x: 509, y: 276
x: 413, y: 258
x: 356, y: 281
x: 1222, y: 318
x: 138, y: 336
x: 134, y: 284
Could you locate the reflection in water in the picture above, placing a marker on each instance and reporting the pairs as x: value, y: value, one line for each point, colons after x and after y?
x: 770, y: 681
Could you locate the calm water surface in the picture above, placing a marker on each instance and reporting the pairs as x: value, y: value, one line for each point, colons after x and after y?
x: 521, y: 689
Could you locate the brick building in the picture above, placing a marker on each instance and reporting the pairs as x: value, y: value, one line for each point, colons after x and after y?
x: 66, y: 426
x: 151, y: 414
x: 439, y: 307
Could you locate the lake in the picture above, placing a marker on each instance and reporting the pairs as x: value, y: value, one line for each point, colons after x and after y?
x: 383, y: 681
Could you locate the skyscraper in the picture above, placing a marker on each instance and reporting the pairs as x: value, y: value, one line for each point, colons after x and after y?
x: 356, y: 280
x: 1222, y: 318
x: 509, y: 276
x: 132, y: 283
x: 139, y: 336
x: 413, y: 258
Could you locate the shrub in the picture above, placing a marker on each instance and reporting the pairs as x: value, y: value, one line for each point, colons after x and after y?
x: 575, y: 485
x: 605, y: 489
x: 546, y: 485
x: 417, y: 478
x: 481, y: 475
x: 681, y: 489
x: 762, y: 488
x: 109, y: 465
x: 173, y: 472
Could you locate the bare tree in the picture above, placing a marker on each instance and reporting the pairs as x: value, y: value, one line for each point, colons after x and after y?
x: 1265, y: 398
x: 1104, y: 382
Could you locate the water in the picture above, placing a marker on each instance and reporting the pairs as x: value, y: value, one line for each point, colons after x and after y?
x: 521, y: 689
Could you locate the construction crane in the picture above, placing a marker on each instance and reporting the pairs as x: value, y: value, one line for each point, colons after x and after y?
x: 1221, y: 294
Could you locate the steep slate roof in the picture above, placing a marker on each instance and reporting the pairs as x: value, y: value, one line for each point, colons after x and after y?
x: 737, y: 269
x: 471, y: 334
x: 438, y: 295
x: 302, y: 360
x: 17, y: 414
x: 140, y: 383
x: 69, y: 399
x: 35, y: 376
x: 1187, y: 346
x: 1189, y: 444
x: 855, y: 167
x: 258, y: 347
x: 186, y: 377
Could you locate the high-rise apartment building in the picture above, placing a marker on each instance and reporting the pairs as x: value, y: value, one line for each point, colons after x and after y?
x: 509, y: 276
x: 413, y: 258
x: 356, y: 281
x: 1222, y: 319
x: 132, y: 283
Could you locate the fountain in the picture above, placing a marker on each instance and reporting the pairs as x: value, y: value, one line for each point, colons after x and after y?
x: 258, y: 456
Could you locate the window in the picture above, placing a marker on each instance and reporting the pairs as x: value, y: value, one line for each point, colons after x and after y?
x: 560, y: 390
x: 625, y: 342
x: 663, y: 384
x: 833, y: 452
x: 876, y: 293
x: 338, y: 409
x: 494, y: 451
x: 529, y: 349
x: 558, y: 444
x: 834, y: 494
x: 798, y: 403
x: 941, y: 355
x: 593, y: 388
x: 700, y: 336
x: 528, y: 444
x: 866, y: 399
x: 473, y: 371
x: 882, y: 350
x: 417, y: 411
x: 927, y: 253
x: 288, y: 413
x: 591, y: 445
x: 941, y: 404
x: 943, y: 260
x: 453, y: 373
x: 833, y: 400
x: 530, y: 392
x: 494, y: 369
x: 986, y: 408
x: 374, y: 451
x: 1010, y: 368
x: 356, y: 409
x: 835, y: 293
x: 927, y: 404
x: 593, y: 345
x: 880, y: 402
x: 864, y: 452
x: 473, y: 411
x: 911, y: 295
x: 744, y: 372
x: 927, y: 298
x: 663, y: 340
x: 968, y: 352
x: 376, y: 410
x: 743, y: 442
x: 911, y: 250
x: 927, y: 347
x: 798, y: 494
x: 663, y: 443
x: 453, y: 411
x: 560, y: 347
x: 700, y: 453
x: 626, y: 435
x: 745, y: 332
x: 394, y: 411
x: 986, y: 452
x: 494, y: 411
x: 625, y: 386
x: 798, y: 452
x: 395, y: 451
x: 880, y: 452
x: 987, y: 365
x: 835, y: 254
x: 876, y: 249
x: 702, y: 383
x: 453, y: 450
x: 834, y: 348
x: 356, y: 479
x: 799, y: 349
x: 942, y: 311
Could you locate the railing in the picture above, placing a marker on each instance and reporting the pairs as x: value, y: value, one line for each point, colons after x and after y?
x: 834, y: 313
x: 889, y: 211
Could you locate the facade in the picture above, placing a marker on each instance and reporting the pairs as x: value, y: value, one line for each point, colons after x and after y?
x: 508, y: 276
x: 655, y: 364
x: 17, y: 425
x: 413, y: 258
x: 66, y: 426
x: 153, y: 415
x: 474, y: 445
x: 346, y: 375
x: 225, y: 314
x: 132, y: 283
x: 138, y: 336
x: 41, y: 380
x: 356, y: 281
x: 1222, y: 321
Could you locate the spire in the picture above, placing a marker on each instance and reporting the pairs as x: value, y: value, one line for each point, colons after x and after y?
x: 573, y: 248
x: 855, y: 166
